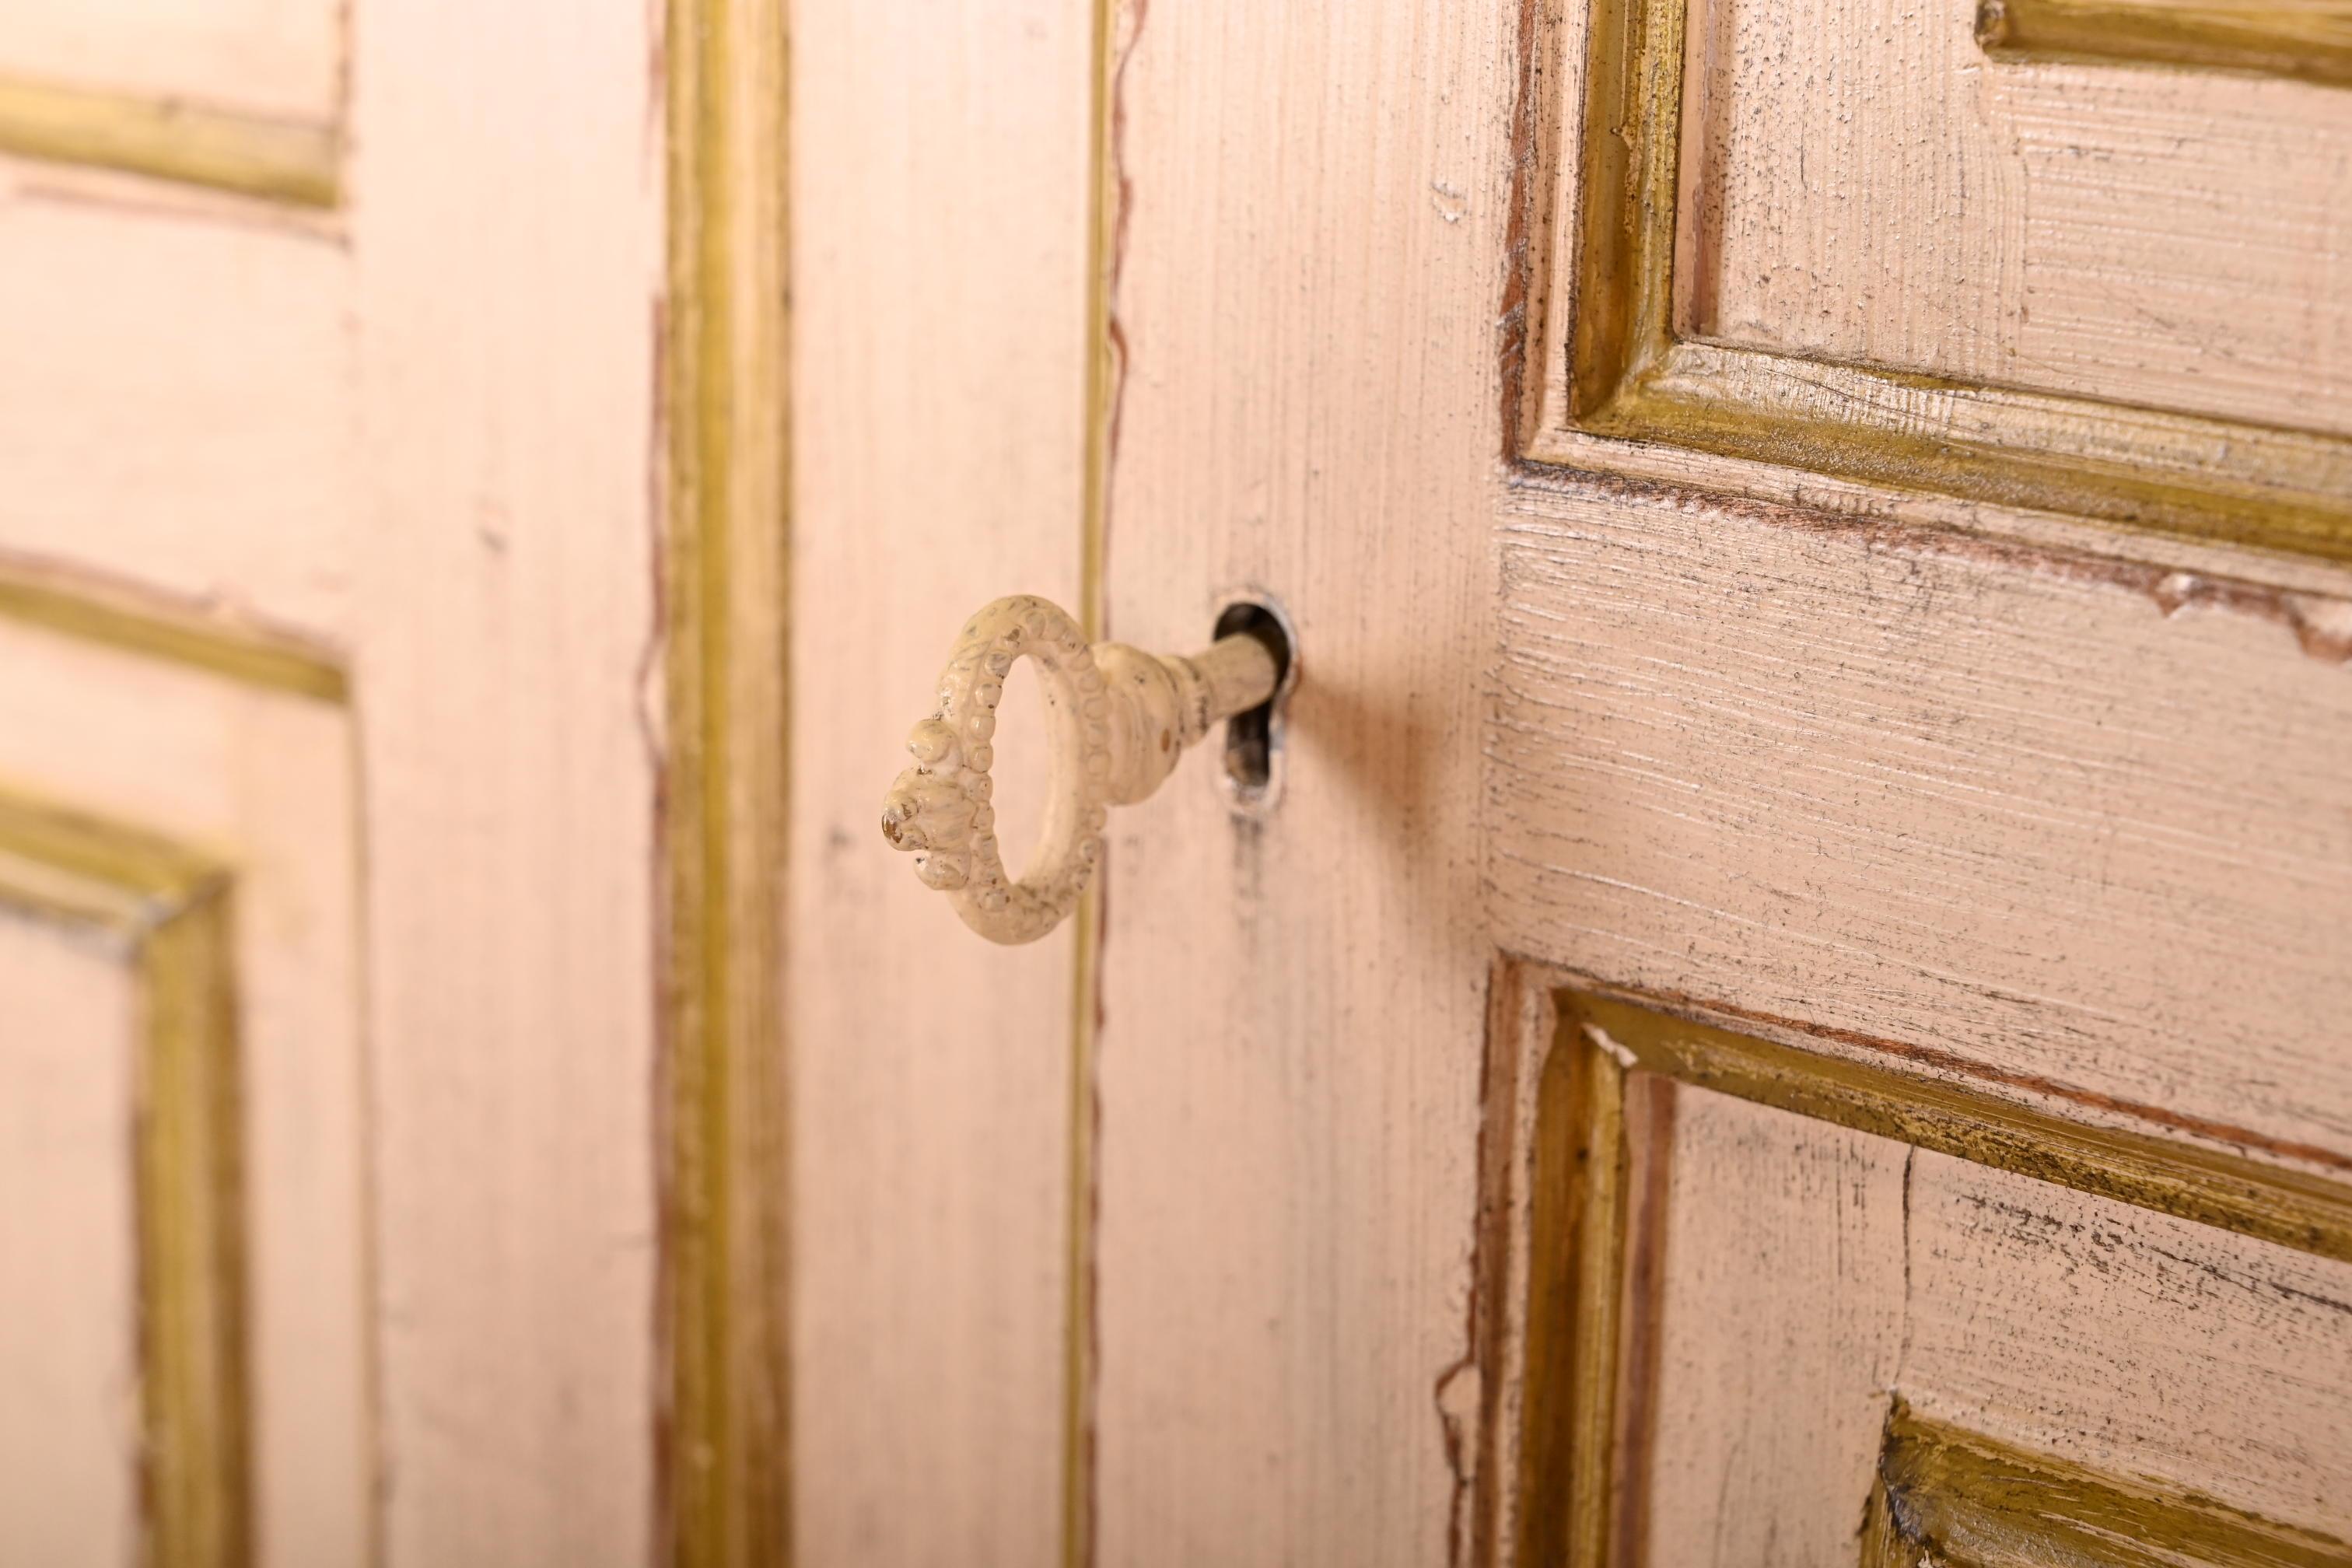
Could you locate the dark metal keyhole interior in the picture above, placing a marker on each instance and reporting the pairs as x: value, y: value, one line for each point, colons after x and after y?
x: 1254, y: 739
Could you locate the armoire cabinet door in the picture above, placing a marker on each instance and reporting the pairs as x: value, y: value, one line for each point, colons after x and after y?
x: 1789, y: 1005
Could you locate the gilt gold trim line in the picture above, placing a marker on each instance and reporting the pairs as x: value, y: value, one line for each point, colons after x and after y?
x: 117, y: 618
x: 295, y: 161
x: 1578, y: 1204
x: 172, y: 910
x: 2207, y: 1186
x: 1946, y: 1496
x: 2142, y: 467
x: 723, y: 1448
x: 2306, y: 40
x: 1104, y: 369
x: 1594, y: 1143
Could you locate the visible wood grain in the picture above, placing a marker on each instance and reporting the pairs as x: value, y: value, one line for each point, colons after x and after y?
x: 2060, y: 1323
x: 2131, y: 1342
x: 939, y: 191
x: 1952, y: 798
x: 1869, y: 188
x: 1768, y: 1413
x: 1291, y: 1008
x: 507, y: 227
x: 1605, y: 305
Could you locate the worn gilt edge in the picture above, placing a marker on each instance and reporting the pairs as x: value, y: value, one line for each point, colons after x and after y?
x: 1625, y: 378
x: 1943, y: 1495
x: 722, y: 1439
x: 1572, y: 1163
x: 295, y: 161
x: 171, y: 910
x: 1114, y: 25
x: 140, y: 622
x: 2265, y: 38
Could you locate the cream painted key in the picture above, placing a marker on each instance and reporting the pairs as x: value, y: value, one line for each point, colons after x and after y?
x: 1116, y: 719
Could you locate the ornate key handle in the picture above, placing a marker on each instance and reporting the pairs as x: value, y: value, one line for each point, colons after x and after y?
x: 1116, y: 719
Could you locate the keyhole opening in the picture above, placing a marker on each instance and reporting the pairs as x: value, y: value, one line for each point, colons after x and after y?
x: 1253, y: 772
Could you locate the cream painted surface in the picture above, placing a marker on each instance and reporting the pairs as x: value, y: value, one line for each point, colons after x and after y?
x: 1769, y: 1415
x: 267, y: 777
x: 176, y: 399
x: 1291, y: 1010
x: 506, y: 226
x: 2137, y: 1343
x: 2069, y: 814
x: 2140, y: 1343
x: 1120, y: 722
x: 418, y: 436
x: 939, y: 208
x: 280, y: 57
x: 2060, y: 810
x: 2003, y: 808
x: 1871, y: 187
x: 68, y: 1337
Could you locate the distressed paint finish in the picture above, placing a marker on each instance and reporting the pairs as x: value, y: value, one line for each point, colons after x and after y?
x: 507, y: 227
x: 1998, y: 808
x: 1291, y: 1008
x: 2052, y: 1322
x: 1117, y: 721
x: 1874, y: 1281
x: 163, y: 731
x: 2310, y: 39
x: 940, y: 196
x: 1803, y: 1226
x: 1890, y: 768
x: 2134, y: 1343
x: 1616, y: 338
x: 1874, y: 1091
x: 2176, y: 238
x: 1843, y: 764
x: 1947, y: 1495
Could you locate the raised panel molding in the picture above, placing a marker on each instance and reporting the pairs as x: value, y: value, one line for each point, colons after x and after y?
x: 1946, y: 1496
x: 1603, y: 358
x: 724, y: 1453
x: 176, y: 791
x: 120, y: 619
x: 1582, y: 1091
x: 2308, y: 40
x: 244, y: 97
x: 169, y: 908
x: 295, y: 161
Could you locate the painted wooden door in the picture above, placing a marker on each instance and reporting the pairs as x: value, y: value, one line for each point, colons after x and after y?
x: 378, y: 438
x: 1792, y: 1006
